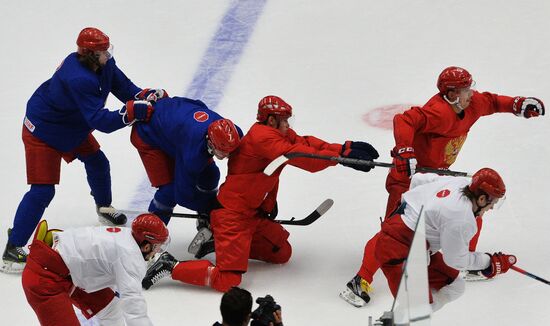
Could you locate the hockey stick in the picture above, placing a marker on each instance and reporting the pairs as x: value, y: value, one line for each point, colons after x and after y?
x: 519, y: 270
x: 312, y: 217
x: 279, y: 161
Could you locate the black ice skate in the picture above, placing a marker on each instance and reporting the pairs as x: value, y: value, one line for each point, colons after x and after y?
x: 356, y: 292
x: 203, y: 236
x: 160, y: 269
x: 206, y: 248
x: 13, y: 259
x: 113, y: 218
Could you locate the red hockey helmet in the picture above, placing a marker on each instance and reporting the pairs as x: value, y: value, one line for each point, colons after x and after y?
x: 488, y: 181
x: 149, y: 227
x: 273, y: 105
x: 224, y: 135
x: 92, y: 39
x: 453, y: 78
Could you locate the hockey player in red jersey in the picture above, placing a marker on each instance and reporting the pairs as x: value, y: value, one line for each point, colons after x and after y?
x: 431, y: 136
x: 244, y: 228
x: 449, y: 206
x: 80, y: 266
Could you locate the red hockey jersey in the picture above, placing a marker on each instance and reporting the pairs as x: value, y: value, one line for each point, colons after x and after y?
x: 246, y: 187
x: 437, y: 133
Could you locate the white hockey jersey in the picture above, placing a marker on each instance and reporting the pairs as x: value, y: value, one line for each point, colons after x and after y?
x: 450, y: 221
x: 100, y: 257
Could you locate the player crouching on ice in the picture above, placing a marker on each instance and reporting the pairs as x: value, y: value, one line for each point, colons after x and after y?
x: 450, y: 206
x: 177, y: 148
x: 243, y: 227
x: 80, y: 266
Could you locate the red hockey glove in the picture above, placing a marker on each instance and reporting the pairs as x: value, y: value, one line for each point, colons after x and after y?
x: 404, y: 160
x: 137, y: 111
x: 528, y: 107
x: 500, y: 263
x: 151, y: 94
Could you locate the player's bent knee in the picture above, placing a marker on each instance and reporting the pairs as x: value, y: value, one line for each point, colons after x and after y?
x: 283, y: 254
x: 224, y: 280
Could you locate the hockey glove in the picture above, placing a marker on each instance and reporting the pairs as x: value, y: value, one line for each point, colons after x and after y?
x: 360, y: 145
x: 359, y: 155
x: 528, y: 107
x: 499, y: 264
x: 151, y: 94
x: 404, y: 160
x: 137, y: 111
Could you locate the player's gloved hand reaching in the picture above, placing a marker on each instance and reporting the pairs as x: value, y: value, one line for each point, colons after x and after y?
x: 500, y: 263
x: 359, y: 150
x: 137, y: 111
x: 151, y: 94
x: 528, y: 107
x: 404, y: 160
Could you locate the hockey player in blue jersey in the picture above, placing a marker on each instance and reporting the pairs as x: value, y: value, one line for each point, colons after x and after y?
x: 59, y: 120
x: 177, y: 148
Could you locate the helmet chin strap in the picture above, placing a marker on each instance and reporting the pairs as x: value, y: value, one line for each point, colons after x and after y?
x: 456, y: 103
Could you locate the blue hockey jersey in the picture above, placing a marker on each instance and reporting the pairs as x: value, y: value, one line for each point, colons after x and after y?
x: 179, y: 126
x: 68, y: 106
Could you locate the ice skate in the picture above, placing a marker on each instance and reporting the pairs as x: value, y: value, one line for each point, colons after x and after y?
x: 356, y: 292
x: 113, y: 218
x: 160, y: 269
x: 206, y: 248
x: 13, y: 259
x: 200, y: 238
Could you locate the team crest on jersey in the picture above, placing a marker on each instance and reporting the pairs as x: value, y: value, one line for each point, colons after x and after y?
x: 114, y: 229
x: 453, y: 148
x: 443, y: 193
x: 201, y: 116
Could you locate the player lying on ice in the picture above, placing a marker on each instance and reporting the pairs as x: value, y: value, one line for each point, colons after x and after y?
x: 243, y: 227
x: 81, y: 266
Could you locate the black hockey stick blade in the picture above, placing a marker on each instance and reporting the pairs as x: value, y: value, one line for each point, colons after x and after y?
x: 312, y: 217
x: 283, y: 159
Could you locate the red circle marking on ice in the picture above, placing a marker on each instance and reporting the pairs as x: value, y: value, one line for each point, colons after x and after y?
x: 443, y: 193
x: 114, y: 230
x: 382, y: 117
x: 200, y: 116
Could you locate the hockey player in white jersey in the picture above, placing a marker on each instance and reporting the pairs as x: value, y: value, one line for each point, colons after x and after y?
x: 450, y: 206
x: 83, y: 266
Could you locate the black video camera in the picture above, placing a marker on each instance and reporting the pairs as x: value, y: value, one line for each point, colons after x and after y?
x: 263, y: 315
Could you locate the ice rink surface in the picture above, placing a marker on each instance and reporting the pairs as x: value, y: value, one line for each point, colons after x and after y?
x: 334, y: 62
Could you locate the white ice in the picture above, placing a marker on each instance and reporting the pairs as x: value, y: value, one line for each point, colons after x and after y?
x: 333, y: 61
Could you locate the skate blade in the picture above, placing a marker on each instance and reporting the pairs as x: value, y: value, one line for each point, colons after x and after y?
x: 153, y: 260
x: 351, y: 298
x: 469, y: 277
x: 202, y: 236
x: 9, y: 267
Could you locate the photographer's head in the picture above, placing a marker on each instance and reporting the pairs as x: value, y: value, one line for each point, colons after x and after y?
x: 236, y: 307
